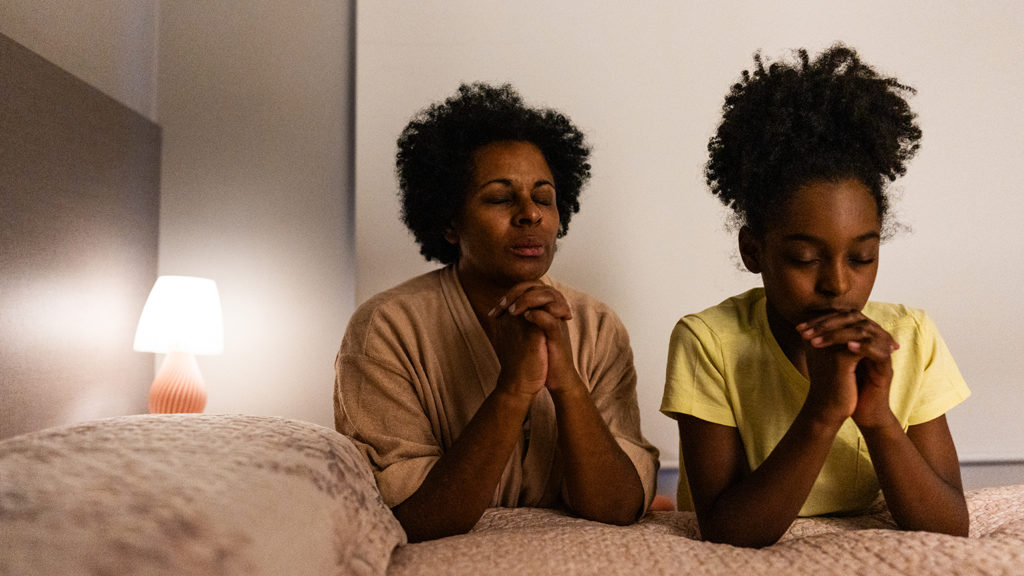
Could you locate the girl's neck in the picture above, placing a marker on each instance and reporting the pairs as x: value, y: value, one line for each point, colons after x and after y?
x: 788, y: 339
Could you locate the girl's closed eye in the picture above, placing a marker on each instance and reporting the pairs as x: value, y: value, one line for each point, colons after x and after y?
x: 803, y: 258
x: 863, y: 257
x: 863, y: 260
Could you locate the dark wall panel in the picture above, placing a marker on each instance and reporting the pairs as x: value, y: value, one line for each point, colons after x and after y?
x: 79, y: 215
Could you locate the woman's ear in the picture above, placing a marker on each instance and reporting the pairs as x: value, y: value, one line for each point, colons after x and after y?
x: 750, y: 250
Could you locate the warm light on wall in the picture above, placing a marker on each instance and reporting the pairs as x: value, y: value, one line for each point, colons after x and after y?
x: 182, y: 318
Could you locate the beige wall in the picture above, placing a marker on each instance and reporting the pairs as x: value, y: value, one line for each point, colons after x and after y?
x: 110, y: 44
x: 79, y: 203
x: 255, y: 103
x: 646, y: 82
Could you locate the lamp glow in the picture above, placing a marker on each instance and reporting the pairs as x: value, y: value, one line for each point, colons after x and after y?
x: 181, y: 318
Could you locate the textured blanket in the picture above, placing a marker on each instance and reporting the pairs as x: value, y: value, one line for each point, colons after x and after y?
x: 190, y: 495
x: 532, y: 541
x: 243, y: 495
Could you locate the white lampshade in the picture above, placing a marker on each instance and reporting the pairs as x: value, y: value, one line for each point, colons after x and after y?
x: 182, y: 314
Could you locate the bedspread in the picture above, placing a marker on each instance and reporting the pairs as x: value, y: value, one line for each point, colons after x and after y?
x: 521, y: 541
x: 245, y: 495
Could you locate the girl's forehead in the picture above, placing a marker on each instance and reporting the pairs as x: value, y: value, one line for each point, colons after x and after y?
x: 827, y: 208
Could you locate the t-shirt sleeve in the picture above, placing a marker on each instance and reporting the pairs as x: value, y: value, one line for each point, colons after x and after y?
x: 694, y: 379
x: 378, y: 407
x: 942, y: 387
x: 613, y: 392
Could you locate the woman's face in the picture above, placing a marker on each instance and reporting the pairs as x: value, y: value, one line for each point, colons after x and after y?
x: 508, y: 225
x: 820, y: 254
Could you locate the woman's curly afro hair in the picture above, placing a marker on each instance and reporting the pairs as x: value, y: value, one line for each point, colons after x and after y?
x: 786, y: 125
x: 435, y: 158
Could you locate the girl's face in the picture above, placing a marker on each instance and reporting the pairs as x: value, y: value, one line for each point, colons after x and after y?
x: 508, y: 225
x: 820, y: 253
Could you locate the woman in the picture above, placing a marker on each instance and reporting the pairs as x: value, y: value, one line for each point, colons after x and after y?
x: 485, y: 383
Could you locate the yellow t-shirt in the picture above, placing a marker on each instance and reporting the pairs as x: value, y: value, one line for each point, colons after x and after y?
x: 725, y: 367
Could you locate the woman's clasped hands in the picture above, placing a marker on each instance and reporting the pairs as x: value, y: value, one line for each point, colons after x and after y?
x: 532, y: 338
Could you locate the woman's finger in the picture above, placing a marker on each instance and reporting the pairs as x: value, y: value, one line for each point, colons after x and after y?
x: 533, y: 298
x: 511, y: 296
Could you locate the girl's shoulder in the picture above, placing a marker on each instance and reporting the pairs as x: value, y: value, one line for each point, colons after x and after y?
x: 902, y: 321
x: 739, y: 312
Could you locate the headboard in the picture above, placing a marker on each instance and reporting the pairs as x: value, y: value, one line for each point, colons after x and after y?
x: 79, y: 216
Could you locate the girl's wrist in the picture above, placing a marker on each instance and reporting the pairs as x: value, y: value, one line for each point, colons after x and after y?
x: 882, y: 425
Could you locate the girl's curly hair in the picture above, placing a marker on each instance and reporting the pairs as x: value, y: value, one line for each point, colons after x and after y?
x: 785, y: 125
x: 435, y: 158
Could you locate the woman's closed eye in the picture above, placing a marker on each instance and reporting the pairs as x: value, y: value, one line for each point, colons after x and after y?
x: 498, y: 199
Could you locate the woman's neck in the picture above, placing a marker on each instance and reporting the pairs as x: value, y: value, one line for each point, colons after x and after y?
x: 483, y: 296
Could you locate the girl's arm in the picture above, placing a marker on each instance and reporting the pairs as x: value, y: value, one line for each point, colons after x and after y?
x: 919, y: 473
x: 744, y: 508
x: 918, y: 470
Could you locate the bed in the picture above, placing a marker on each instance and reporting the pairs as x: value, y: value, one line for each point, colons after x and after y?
x: 233, y: 494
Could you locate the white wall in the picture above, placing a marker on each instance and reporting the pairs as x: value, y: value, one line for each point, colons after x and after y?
x: 646, y: 82
x: 255, y: 103
x: 111, y: 44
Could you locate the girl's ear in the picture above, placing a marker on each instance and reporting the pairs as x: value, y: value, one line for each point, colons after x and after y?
x: 750, y: 250
x: 451, y: 235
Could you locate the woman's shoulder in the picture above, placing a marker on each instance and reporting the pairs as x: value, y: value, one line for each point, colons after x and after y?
x: 581, y: 301
x: 592, y: 318
x: 398, y: 306
x: 424, y: 286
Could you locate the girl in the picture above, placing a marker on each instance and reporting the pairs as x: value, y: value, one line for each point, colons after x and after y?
x: 802, y: 398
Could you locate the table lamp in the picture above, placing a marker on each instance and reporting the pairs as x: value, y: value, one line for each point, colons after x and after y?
x: 181, y: 318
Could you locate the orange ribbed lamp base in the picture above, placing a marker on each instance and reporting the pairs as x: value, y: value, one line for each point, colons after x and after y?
x: 178, y: 386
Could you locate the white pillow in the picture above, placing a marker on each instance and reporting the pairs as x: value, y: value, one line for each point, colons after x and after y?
x: 191, y: 494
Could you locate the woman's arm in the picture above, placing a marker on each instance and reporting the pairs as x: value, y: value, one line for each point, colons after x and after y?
x: 461, y: 484
x: 601, y: 481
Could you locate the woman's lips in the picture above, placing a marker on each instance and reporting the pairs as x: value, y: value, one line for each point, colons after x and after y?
x: 529, y: 249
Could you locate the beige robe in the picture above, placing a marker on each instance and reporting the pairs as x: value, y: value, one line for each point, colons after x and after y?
x: 415, y: 365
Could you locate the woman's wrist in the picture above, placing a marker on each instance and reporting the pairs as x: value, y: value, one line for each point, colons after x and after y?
x: 568, y: 390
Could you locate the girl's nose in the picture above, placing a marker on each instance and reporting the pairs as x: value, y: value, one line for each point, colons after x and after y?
x: 834, y: 280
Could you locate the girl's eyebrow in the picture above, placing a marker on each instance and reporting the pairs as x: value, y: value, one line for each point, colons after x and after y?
x: 798, y: 237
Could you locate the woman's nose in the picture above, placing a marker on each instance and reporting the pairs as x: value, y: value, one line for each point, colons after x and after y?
x: 528, y: 213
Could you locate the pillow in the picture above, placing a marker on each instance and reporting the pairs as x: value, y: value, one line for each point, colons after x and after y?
x: 191, y: 494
